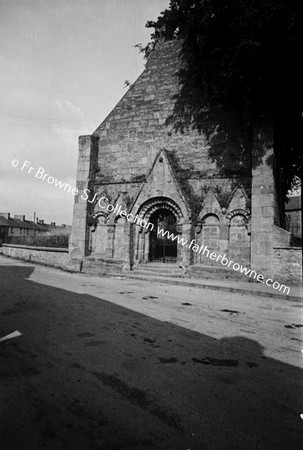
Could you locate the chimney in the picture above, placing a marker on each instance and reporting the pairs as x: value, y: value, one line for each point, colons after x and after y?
x: 41, y: 221
x: 53, y: 224
x: 20, y: 217
x: 63, y: 225
x: 5, y: 215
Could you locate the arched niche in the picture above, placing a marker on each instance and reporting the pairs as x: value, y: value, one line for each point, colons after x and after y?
x: 239, y: 239
x: 119, y: 238
x: 100, y: 236
x: 208, y: 234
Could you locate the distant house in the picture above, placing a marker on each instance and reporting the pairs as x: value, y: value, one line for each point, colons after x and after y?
x: 54, y: 229
x: 20, y: 226
x: 293, y: 215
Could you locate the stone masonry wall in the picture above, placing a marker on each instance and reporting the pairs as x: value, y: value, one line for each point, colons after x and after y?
x: 117, y: 159
x: 133, y: 133
x: 281, y: 237
x: 53, y: 257
x: 288, y: 265
x: 264, y: 199
x: 86, y: 167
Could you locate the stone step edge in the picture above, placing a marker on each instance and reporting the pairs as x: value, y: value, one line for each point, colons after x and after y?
x: 241, y: 290
x: 151, y: 274
x: 208, y: 276
x: 205, y: 270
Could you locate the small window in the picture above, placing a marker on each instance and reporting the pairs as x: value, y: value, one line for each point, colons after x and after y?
x: 12, y: 230
x: 20, y: 230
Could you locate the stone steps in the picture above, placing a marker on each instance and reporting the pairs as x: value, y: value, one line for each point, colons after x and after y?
x: 217, y: 273
x: 150, y: 274
x: 202, y: 272
x: 173, y: 270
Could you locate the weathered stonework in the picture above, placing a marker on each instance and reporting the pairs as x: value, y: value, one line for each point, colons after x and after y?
x: 135, y: 159
x: 287, y: 265
x: 54, y: 257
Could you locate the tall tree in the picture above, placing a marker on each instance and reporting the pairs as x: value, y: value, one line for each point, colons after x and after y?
x: 240, y: 63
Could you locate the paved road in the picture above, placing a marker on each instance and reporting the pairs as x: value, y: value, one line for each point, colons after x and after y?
x: 105, y: 363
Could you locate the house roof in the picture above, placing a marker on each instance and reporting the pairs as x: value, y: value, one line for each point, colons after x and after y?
x: 17, y: 223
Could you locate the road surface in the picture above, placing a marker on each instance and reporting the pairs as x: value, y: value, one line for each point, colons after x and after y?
x: 109, y: 363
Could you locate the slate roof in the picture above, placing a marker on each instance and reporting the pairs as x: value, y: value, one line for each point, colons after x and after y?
x: 17, y: 223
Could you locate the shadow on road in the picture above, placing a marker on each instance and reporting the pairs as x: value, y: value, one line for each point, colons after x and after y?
x: 89, y: 374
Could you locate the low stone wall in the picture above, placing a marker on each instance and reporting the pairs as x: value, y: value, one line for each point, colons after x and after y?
x: 48, y: 256
x: 281, y: 237
x: 102, y: 266
x: 288, y: 265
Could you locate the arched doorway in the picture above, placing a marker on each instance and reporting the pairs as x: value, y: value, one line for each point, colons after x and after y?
x: 161, y: 247
x: 164, y: 213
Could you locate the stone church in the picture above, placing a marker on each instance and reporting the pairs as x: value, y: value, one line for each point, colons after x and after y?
x: 136, y: 160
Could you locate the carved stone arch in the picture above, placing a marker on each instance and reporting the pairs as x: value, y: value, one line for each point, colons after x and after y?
x: 210, y: 214
x: 208, y: 234
x: 99, y: 236
x: 238, y: 199
x: 151, y: 205
x: 98, y: 214
x: 148, y: 244
x: 240, y: 212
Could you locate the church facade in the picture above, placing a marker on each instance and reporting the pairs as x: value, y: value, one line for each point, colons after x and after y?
x: 137, y: 164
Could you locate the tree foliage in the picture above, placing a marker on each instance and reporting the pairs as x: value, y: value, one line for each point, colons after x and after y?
x: 240, y: 62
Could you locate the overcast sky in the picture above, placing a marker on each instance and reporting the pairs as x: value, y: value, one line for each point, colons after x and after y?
x: 63, y: 67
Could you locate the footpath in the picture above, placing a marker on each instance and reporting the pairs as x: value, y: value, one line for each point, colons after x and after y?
x: 252, y: 288
x: 242, y: 287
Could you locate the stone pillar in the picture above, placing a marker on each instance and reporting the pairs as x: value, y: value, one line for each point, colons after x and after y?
x: 132, y: 243
x: 263, y: 200
x: 136, y: 243
x: 186, y: 253
x: 224, y: 236
x: 92, y: 240
x: 127, y: 259
x: 109, y: 252
x: 146, y: 247
x: 141, y: 245
x: 79, y: 240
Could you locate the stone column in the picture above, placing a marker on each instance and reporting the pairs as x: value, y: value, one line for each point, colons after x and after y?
x: 109, y: 252
x: 136, y: 243
x: 263, y: 200
x: 146, y: 246
x: 224, y: 236
x: 186, y: 253
x: 141, y: 245
x: 128, y: 250
x: 88, y: 154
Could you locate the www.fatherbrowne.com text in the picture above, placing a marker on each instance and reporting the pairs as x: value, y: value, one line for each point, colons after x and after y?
x: 104, y: 203
x: 202, y: 249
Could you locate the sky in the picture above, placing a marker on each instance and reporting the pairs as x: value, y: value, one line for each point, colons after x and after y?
x: 64, y: 64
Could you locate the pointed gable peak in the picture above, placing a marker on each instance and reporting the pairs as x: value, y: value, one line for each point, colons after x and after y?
x: 161, y: 181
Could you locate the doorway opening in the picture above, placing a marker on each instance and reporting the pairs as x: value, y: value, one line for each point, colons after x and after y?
x: 161, y: 248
